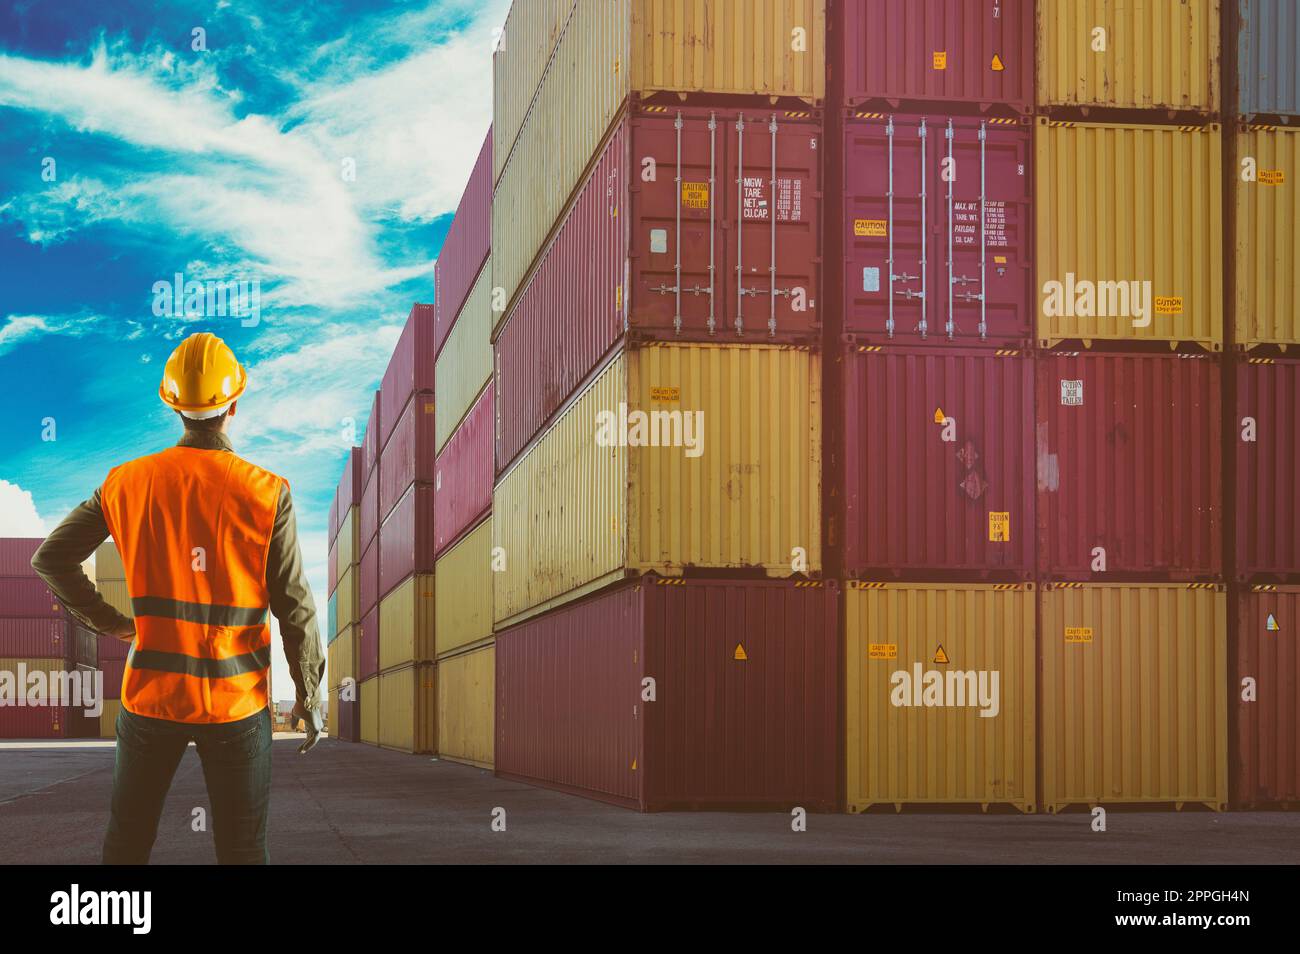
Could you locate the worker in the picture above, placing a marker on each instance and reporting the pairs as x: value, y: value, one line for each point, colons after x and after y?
x: 209, y: 543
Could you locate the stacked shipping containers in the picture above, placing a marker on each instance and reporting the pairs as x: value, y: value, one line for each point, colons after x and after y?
x: 343, y: 619
x: 110, y: 581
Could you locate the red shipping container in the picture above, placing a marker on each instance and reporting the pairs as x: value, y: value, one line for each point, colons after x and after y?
x: 1267, y: 435
x: 979, y: 52
x: 746, y: 676
x: 370, y: 443
x: 368, y: 579
x: 35, y: 722
x: 368, y: 512
x: 334, y: 517
x: 409, y: 454
x: 348, y: 491
x: 1266, y: 757
x: 16, y: 555
x: 410, y: 369
x: 30, y: 638
x: 349, y: 727
x: 1128, y: 466
x: 620, y: 261
x: 332, y: 567
x: 114, y: 671
x: 464, y: 475
x: 110, y: 647
x: 952, y: 282
x: 465, y: 249
x: 83, y: 646
x: 406, y: 538
x: 939, y: 462
x: 28, y: 597
x: 368, y: 646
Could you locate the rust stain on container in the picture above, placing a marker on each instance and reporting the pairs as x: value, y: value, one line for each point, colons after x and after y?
x: 1265, y: 697
x: 1267, y: 436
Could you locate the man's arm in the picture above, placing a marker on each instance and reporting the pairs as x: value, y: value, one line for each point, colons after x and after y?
x: 58, y: 562
x: 293, y: 606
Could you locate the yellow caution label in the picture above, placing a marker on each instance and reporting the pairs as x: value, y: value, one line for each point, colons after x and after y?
x: 618, y: 297
x: 941, y: 59
x: 999, y: 526
x: 940, y: 657
x: 740, y: 653
x: 634, y: 764
x: 999, y: 259
x: 1078, y: 634
x: 1169, y: 304
x: 870, y: 228
x: 882, y: 650
x: 997, y: 64
x: 695, y: 195
x: 1271, y: 624
x: 939, y: 416
x: 1272, y: 177
x: 428, y: 407
x: 666, y: 394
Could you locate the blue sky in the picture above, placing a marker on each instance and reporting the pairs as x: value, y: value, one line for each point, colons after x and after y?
x: 127, y: 156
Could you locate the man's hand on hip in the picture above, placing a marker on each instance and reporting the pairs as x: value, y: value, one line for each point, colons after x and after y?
x: 312, y: 721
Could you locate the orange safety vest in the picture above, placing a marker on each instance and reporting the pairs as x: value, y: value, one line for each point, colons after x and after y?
x: 202, y: 649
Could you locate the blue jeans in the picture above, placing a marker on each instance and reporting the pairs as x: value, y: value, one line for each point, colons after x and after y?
x: 236, y: 759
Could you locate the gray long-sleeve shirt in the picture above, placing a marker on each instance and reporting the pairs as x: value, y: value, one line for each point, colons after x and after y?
x: 59, y: 559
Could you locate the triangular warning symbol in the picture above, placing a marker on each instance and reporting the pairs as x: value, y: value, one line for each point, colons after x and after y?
x: 634, y: 765
x: 1271, y: 624
x: 940, y: 657
x: 997, y: 64
x: 740, y: 652
x: 939, y: 416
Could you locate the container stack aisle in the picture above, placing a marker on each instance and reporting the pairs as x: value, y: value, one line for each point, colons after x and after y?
x: 1264, y: 404
x: 656, y: 294
x: 1129, y: 437
x: 343, y: 614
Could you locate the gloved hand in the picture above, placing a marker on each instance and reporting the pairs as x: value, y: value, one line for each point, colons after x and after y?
x: 313, y: 722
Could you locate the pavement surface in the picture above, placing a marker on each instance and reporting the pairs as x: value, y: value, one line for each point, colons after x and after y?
x: 345, y: 803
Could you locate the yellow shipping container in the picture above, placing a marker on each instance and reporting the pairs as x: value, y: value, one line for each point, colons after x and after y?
x: 1129, y: 220
x: 1133, y: 694
x: 369, y: 696
x: 406, y: 623
x: 407, y: 708
x: 108, y: 718
x: 738, y: 484
x: 463, y: 586
x: 1130, y: 54
x: 108, y: 562
x: 1268, y: 253
x: 347, y: 600
x: 467, y: 706
x: 45, y: 664
x: 940, y: 700
x: 116, y: 595
x: 341, y: 657
x: 465, y: 362
x: 349, y: 553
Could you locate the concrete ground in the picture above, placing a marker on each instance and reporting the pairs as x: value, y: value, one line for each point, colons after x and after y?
x: 345, y: 803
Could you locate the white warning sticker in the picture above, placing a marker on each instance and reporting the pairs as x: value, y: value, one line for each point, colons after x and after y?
x: 1072, y: 392
x: 966, y: 223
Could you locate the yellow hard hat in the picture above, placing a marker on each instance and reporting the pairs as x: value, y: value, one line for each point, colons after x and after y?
x: 202, y: 377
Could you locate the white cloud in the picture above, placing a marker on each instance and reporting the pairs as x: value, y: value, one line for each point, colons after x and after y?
x: 19, y: 328
x: 18, y: 516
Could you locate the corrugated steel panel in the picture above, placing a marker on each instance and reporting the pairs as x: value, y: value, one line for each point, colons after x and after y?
x: 34, y: 722
x: 467, y: 707
x: 39, y: 636
x: 1267, y: 436
x: 1268, y: 51
x: 341, y: 658
x: 108, y: 562
x: 1129, y: 467
x: 116, y: 595
x: 1125, y: 203
x: 86, y: 646
x: 108, y: 718
x: 572, y: 514
x: 465, y: 362
x: 348, y: 491
x: 29, y: 597
x: 16, y: 555
x: 407, y: 709
x: 954, y: 51
x: 347, y: 541
x: 1267, y: 250
x: 463, y: 588
x: 465, y: 249
x: 1153, y: 54
x: 370, y: 443
x: 114, y: 671
x: 406, y: 538
x: 368, y: 512
x: 940, y: 694
x: 110, y: 647
x: 333, y: 519
x: 367, y: 636
x: 1266, y: 755
x: 406, y: 623
x: 410, y: 369
x: 332, y: 712
x: 409, y: 454
x: 332, y: 568
x: 938, y: 247
x: 369, y: 698
x: 463, y: 485
x: 1132, y: 694
x: 368, y: 580
x: 346, y: 606
x: 939, y: 461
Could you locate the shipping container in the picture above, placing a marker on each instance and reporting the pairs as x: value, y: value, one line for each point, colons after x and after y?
x: 939, y: 461
x: 1266, y: 432
x: 726, y: 473
x: 108, y: 562
x: 34, y: 721
x: 28, y: 597
x: 465, y: 249
x: 406, y: 621
x: 1132, y: 694
x: 349, y: 551
x: 953, y: 51
x: 409, y: 454
x: 332, y: 617
x: 463, y: 485
x: 465, y: 362
x: 110, y: 647
x: 407, y: 709
x: 409, y: 371
x: 1267, y: 251
x: 333, y: 522
x: 406, y: 538
x: 85, y: 646
x: 961, y: 246
x: 463, y: 591
x: 348, y: 491
x: 346, y: 609
x: 368, y: 580
x: 746, y: 680
x: 16, y: 555
x: 368, y: 512
x: 367, y: 637
x: 332, y: 567
x: 117, y: 596
x: 332, y: 713
x: 370, y: 444
x: 114, y: 671
x: 1265, y: 694
x: 467, y: 706
x: 36, y: 636
x: 349, y: 726
x: 368, y: 692
x: 1129, y: 233
x: 1129, y: 54
x: 1129, y: 466
x: 940, y: 696
x: 341, y: 657
x: 1268, y: 44
x: 108, y: 719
